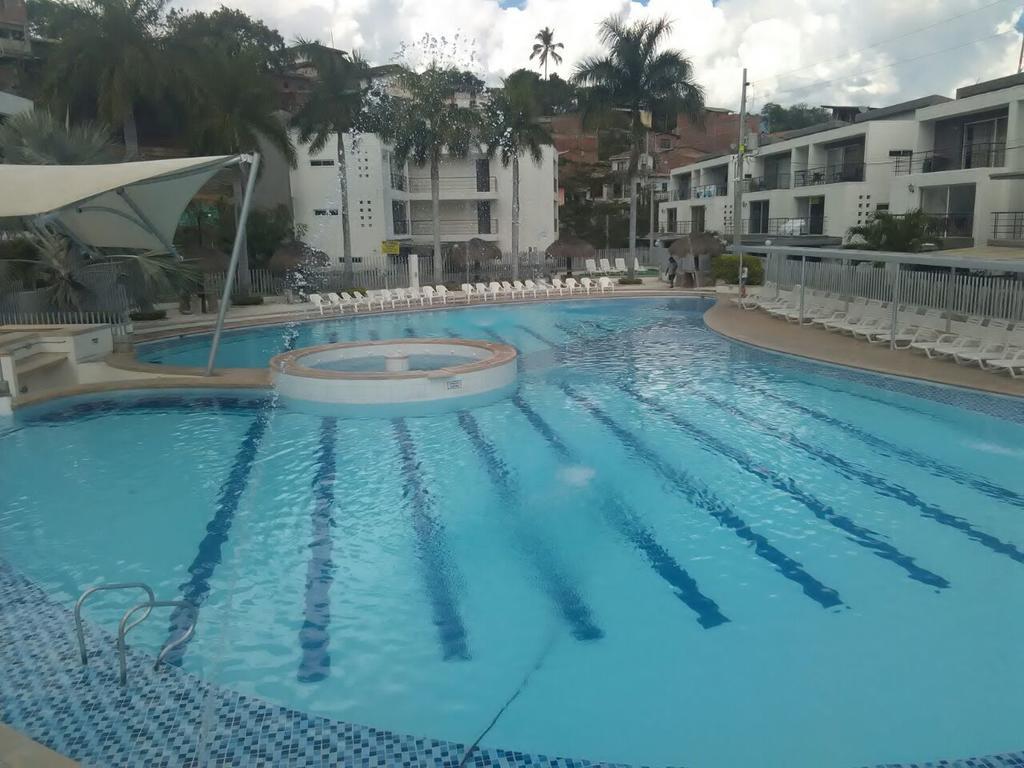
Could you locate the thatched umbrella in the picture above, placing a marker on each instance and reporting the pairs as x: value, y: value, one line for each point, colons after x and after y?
x: 474, y: 252
x: 570, y: 247
x: 697, y: 249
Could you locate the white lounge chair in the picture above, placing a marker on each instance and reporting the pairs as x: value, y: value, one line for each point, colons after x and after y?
x: 529, y: 285
x: 995, y: 339
x: 606, y: 266
x: 336, y: 301
x: 442, y: 293
x: 873, y: 314
x: 571, y: 284
x: 606, y: 284
x: 962, y: 337
x: 402, y: 294
x: 586, y: 284
x: 844, y: 319
x: 1012, y: 362
x: 494, y: 289
x: 879, y: 326
x: 518, y: 285
x: 350, y: 300
x: 417, y: 294
x: 384, y: 296
x: 427, y: 292
x: 469, y: 290
x: 539, y: 285
x: 317, y: 301
x: 636, y: 264
x: 482, y: 290
x: 620, y: 266
x: 360, y: 298
x: 591, y: 266
x: 791, y: 308
x: 506, y: 287
x: 558, y: 285
x: 907, y: 325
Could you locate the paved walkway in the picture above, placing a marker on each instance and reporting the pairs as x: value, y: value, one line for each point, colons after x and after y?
x: 760, y: 329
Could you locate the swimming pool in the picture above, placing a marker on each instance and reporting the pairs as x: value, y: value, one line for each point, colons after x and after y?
x: 664, y: 548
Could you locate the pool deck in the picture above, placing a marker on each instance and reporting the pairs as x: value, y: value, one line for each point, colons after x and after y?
x: 759, y: 329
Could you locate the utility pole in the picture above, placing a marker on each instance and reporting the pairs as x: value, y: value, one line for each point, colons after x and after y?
x: 650, y: 179
x: 737, y: 191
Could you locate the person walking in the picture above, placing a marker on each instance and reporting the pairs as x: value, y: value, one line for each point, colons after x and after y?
x: 670, y: 273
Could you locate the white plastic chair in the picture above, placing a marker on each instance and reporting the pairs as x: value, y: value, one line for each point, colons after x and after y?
x: 587, y: 283
x: 482, y: 290
x: 606, y: 266
x: 427, y: 292
x: 620, y: 266
x: 349, y: 300
x: 518, y: 286
x: 591, y: 266
x: 571, y: 284
x: 558, y: 285
x: 335, y: 301
x: 506, y: 287
x: 494, y: 289
x: 530, y: 286
x: 317, y: 301
x: 606, y: 284
x: 442, y: 293
x: 469, y: 290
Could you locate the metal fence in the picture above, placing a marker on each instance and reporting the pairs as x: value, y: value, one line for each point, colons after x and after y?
x: 120, y: 322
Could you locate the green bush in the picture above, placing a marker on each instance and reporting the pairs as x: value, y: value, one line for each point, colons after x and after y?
x: 246, y: 301
x: 629, y: 281
x: 726, y: 268
x: 156, y: 314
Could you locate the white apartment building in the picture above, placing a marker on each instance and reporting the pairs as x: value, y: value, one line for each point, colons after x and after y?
x: 811, y: 183
x: 390, y: 202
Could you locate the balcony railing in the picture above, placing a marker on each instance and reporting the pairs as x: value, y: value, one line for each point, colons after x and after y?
x: 710, y: 190
x: 681, y: 194
x: 764, y: 183
x: 1008, y: 225
x: 947, y: 225
x: 828, y: 174
x: 456, y: 184
x: 456, y: 227
x: 978, y: 155
x: 793, y: 226
x: 679, y: 227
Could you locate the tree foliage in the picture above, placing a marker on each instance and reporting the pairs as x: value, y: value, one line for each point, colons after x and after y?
x: 36, y: 138
x: 884, y: 231
x: 779, y: 118
x: 546, y: 48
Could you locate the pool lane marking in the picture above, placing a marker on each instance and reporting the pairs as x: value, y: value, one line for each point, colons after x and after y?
x: 856, y: 533
x: 701, y: 497
x: 622, y: 518
x: 314, y: 638
x: 210, y: 551
x: 556, y: 582
x: 910, y: 456
x: 877, y: 483
x: 430, y: 546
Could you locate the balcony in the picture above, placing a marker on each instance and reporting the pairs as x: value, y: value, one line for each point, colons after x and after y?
x: 679, y: 227
x: 470, y: 227
x: 710, y: 190
x: 983, y: 155
x: 455, y: 186
x: 681, y: 194
x: 1008, y: 225
x: 765, y: 183
x: 828, y: 174
x: 784, y: 227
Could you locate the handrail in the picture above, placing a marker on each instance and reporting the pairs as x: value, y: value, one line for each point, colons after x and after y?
x: 102, y: 588
x: 123, y: 628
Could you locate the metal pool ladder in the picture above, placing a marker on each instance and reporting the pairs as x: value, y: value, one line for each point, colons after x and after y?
x: 124, y: 627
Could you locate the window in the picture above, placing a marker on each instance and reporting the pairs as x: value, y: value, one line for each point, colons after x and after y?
x: 318, y: 163
x: 664, y: 142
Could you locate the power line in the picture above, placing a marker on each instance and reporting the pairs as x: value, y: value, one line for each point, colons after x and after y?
x: 886, y: 40
x: 807, y: 86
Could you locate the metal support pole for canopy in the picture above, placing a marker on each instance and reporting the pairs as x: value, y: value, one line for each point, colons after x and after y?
x: 803, y: 271
x: 950, y: 280
x: 147, y: 222
x: 895, y: 306
x: 236, y: 250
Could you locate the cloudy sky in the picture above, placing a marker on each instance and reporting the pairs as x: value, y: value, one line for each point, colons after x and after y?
x: 872, y: 52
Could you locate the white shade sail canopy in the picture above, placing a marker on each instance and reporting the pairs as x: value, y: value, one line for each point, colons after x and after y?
x: 120, y: 205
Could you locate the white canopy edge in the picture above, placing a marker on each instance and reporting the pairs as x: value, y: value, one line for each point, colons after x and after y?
x: 119, y: 205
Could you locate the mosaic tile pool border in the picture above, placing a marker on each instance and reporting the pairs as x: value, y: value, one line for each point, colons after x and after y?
x: 171, y: 718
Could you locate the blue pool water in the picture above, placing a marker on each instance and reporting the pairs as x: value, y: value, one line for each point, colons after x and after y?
x: 376, y: 363
x: 664, y: 548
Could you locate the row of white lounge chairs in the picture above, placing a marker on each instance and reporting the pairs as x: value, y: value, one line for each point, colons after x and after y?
x: 990, y: 343
x: 606, y: 267
x: 393, y: 297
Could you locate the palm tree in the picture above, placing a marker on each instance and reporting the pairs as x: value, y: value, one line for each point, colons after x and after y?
x: 110, y: 52
x: 424, y: 123
x: 641, y: 80
x: 546, y: 48
x: 36, y: 138
x: 232, y: 108
x: 510, y: 131
x: 886, y: 231
x: 331, y: 110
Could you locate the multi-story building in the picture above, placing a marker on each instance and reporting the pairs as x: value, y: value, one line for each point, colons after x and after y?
x: 814, y: 183
x: 391, y: 203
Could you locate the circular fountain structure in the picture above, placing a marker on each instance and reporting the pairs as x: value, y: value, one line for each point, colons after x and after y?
x: 394, y: 378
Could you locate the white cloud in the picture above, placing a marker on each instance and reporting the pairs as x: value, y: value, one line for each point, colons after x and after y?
x: 789, y: 46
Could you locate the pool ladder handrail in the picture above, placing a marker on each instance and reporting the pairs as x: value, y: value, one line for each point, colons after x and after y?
x: 124, y: 627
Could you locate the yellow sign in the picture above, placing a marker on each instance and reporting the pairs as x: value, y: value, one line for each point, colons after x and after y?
x: 392, y: 247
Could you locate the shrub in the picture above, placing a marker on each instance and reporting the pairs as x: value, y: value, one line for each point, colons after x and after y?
x: 246, y: 301
x: 630, y: 281
x: 156, y: 314
x: 726, y: 268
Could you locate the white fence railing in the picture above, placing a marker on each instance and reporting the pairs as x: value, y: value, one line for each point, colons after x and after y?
x: 959, y: 292
x: 120, y: 323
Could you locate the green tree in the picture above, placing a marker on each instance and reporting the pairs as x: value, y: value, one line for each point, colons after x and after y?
x: 546, y: 48
x: 36, y: 138
x: 642, y: 81
x: 801, y: 115
x: 511, y: 130
x: 108, y: 54
x: 230, y: 31
x: 332, y: 109
x: 886, y: 231
x: 424, y: 123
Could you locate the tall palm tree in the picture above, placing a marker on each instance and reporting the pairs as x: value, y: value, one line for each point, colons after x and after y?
x: 36, y: 138
x: 510, y: 131
x: 546, y: 48
x: 232, y: 108
x: 111, y: 53
x: 886, y: 231
x: 332, y: 109
x: 424, y: 123
x: 643, y: 81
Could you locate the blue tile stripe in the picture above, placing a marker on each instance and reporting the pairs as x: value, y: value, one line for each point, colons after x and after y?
x: 887, y: 448
x: 858, y: 534
x: 700, y: 496
x: 92, y: 408
x: 542, y: 339
x: 314, y: 637
x: 625, y: 521
x: 566, y: 597
x: 211, y: 548
x: 436, y: 565
x: 878, y: 484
